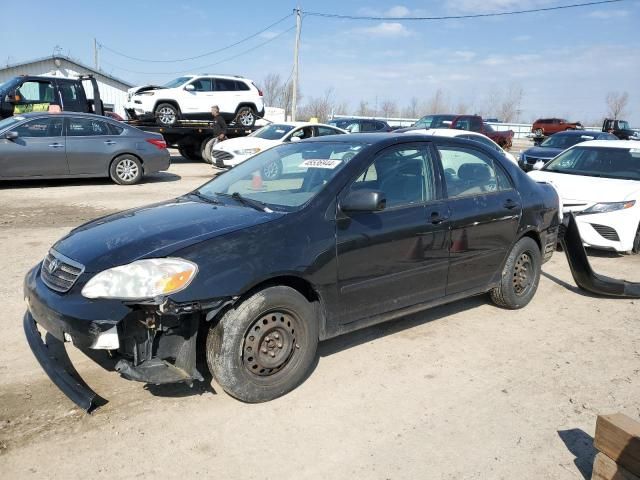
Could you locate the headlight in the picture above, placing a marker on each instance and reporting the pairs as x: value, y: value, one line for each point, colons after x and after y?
x: 247, y: 151
x: 148, y: 92
x: 142, y: 279
x: 609, y: 207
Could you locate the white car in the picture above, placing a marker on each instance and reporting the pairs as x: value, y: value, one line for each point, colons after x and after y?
x: 599, y: 180
x: 191, y: 98
x: 477, y: 137
x: 230, y: 153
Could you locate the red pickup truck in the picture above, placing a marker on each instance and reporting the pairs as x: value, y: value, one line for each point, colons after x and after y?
x: 475, y: 123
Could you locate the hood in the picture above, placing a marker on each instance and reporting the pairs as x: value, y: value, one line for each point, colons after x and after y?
x: 241, y: 143
x: 588, y: 190
x: 543, y: 152
x: 144, y: 88
x: 155, y: 230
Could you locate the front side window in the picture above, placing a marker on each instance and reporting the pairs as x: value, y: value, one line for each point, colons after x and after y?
x: 403, y: 173
x: 284, y: 177
x: 302, y: 133
x: 602, y: 162
x: 41, y: 127
x: 87, y: 127
x: 323, y: 131
x: 469, y: 172
x: 202, y: 85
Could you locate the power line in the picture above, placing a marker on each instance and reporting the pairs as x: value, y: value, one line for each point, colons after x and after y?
x: 458, y: 17
x: 255, y: 47
x: 212, y: 52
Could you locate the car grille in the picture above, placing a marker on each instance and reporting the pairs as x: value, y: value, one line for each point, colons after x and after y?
x: 60, y: 273
x: 606, y: 232
x: 219, y: 157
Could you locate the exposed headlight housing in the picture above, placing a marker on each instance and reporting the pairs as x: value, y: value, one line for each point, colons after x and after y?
x: 148, y: 92
x: 609, y: 207
x: 247, y: 151
x: 143, y: 279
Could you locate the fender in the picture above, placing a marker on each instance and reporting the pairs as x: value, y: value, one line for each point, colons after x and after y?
x: 581, y: 270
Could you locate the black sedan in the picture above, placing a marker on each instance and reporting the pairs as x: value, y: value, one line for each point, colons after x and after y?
x: 556, y: 144
x: 366, y: 229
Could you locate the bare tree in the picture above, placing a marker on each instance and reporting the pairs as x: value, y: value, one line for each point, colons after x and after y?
x: 363, y: 109
x: 319, y: 107
x: 411, y: 110
x: 389, y: 108
x: 617, y: 103
x: 464, y: 108
x: 272, y: 88
x: 508, y: 109
x: 437, y: 103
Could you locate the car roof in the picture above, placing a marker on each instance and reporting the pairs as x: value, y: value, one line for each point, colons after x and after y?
x: 301, y: 124
x: 61, y: 114
x: 611, y: 144
x: 350, y: 119
x: 573, y: 133
x: 228, y: 77
x: 390, y: 138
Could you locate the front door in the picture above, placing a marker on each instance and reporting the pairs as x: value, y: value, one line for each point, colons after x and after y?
x: 396, y: 257
x: 485, y: 212
x: 198, y: 101
x: 39, y: 150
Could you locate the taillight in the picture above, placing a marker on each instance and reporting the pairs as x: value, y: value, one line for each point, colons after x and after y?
x: 158, y: 143
x: 260, y: 93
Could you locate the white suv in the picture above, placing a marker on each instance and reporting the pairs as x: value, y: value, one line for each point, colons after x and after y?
x: 192, y: 96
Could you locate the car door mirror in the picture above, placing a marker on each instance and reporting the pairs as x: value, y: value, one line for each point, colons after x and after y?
x: 538, y: 165
x: 363, y: 201
x: 190, y: 88
x: 294, y: 139
x: 12, y: 135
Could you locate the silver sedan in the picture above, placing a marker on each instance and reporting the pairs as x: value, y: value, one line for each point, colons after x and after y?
x: 64, y: 145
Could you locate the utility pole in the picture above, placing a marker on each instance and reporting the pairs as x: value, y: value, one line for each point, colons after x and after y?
x: 294, y: 93
x: 95, y: 54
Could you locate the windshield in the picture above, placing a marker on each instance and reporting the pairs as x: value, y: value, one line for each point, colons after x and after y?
x: 177, y: 82
x: 274, y: 131
x: 623, y: 125
x: 5, y: 87
x: 435, y: 121
x: 9, y: 122
x: 284, y: 177
x: 565, y: 141
x: 603, y: 162
x: 351, y: 126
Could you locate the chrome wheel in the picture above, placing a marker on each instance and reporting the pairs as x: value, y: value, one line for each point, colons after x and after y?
x: 127, y: 170
x: 246, y: 118
x: 270, y: 343
x: 166, y: 115
x: 271, y: 171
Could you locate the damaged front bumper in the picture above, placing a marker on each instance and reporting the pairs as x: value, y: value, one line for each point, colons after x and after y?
x: 154, y: 343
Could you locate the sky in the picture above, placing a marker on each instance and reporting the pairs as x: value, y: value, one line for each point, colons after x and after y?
x: 564, y: 61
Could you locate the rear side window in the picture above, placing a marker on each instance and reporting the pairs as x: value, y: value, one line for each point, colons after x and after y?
x: 69, y: 92
x: 225, y: 85
x: 87, y: 127
x: 115, y: 129
x: 36, y: 92
x: 41, y: 127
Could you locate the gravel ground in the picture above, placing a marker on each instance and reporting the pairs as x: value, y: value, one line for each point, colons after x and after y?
x: 464, y: 391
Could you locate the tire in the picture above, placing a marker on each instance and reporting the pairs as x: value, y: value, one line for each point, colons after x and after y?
x: 264, y: 347
x: 520, y: 276
x: 126, y: 170
x: 246, y: 117
x: 636, y: 242
x: 207, y: 146
x: 166, y: 114
x: 272, y: 170
x: 189, y: 153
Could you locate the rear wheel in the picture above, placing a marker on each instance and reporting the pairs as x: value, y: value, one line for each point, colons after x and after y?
x: 166, y: 114
x: 520, y: 276
x: 264, y: 347
x: 207, y: 146
x: 189, y: 153
x: 126, y: 170
x: 246, y: 117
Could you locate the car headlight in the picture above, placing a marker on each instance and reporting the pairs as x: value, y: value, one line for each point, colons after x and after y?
x: 148, y: 92
x: 247, y: 151
x: 609, y: 207
x: 143, y: 279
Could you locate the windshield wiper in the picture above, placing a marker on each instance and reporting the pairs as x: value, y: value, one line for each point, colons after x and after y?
x: 196, y: 193
x: 255, y: 204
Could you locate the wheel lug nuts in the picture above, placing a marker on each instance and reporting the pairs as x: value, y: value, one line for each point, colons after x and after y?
x: 264, y: 349
x: 280, y: 345
x: 272, y: 354
x: 276, y: 336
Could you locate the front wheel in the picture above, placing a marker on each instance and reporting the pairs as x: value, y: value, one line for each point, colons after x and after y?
x: 520, y: 276
x: 265, y: 347
x: 246, y: 117
x: 166, y: 114
x: 126, y: 170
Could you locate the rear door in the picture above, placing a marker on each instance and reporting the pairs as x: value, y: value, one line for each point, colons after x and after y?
x: 396, y: 257
x: 226, y: 95
x: 485, y: 212
x: 91, y: 145
x: 39, y: 150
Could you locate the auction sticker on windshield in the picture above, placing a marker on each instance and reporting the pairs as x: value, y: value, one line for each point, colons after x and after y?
x: 320, y: 163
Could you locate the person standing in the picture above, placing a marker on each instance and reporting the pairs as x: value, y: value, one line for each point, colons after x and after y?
x: 219, y: 125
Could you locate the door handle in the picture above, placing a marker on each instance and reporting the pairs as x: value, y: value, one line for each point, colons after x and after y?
x: 437, y: 218
x: 56, y: 145
x: 109, y: 142
x: 510, y: 204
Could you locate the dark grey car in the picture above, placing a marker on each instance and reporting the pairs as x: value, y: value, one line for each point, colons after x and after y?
x: 62, y: 145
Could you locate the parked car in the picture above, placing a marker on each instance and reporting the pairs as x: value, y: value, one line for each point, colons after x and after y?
x: 63, y: 145
x: 429, y: 121
x: 556, y: 144
x: 34, y: 93
x: 477, y: 137
x: 543, y: 127
x: 620, y: 128
x: 230, y: 153
x: 600, y: 182
x: 192, y: 96
x: 360, y: 125
x: 474, y: 123
x: 367, y: 230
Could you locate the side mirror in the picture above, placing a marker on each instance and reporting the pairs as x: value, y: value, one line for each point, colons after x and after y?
x: 12, y: 135
x: 294, y: 139
x: 190, y: 88
x: 538, y: 165
x: 363, y: 201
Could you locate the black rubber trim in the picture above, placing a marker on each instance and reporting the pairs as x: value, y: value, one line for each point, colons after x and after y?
x: 78, y: 393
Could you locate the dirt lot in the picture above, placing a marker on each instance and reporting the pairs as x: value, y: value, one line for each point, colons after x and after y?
x: 465, y: 391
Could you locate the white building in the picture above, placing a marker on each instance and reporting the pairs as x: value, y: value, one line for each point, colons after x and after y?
x: 113, y: 91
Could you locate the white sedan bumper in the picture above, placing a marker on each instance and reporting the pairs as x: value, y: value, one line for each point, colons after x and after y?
x: 610, y: 231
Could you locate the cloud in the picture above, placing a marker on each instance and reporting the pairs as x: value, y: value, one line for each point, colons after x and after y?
x: 398, y: 11
x: 490, y: 6
x: 608, y: 14
x: 387, y: 29
x: 268, y: 35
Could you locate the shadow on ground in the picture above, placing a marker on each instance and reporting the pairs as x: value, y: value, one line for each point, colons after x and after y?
x: 580, y: 444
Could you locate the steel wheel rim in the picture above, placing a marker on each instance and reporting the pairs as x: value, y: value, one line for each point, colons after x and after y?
x: 270, y: 171
x: 166, y: 115
x: 270, y: 343
x: 127, y: 170
x: 523, y: 274
x: 246, y: 119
